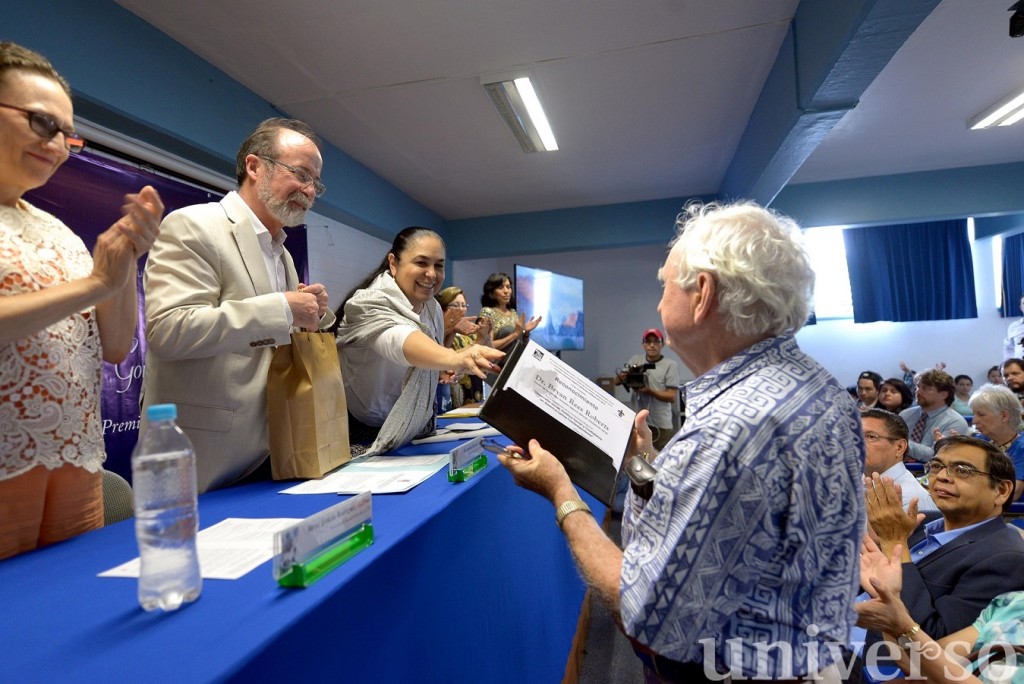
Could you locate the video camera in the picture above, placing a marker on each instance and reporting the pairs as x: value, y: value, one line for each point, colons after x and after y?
x: 635, y: 378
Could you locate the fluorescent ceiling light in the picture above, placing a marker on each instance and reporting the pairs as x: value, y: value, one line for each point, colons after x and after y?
x: 517, y: 103
x: 1003, y: 114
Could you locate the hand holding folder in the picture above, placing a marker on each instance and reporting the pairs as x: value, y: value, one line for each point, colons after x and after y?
x: 538, y: 396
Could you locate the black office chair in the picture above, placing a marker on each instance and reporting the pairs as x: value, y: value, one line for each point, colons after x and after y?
x: 118, y: 502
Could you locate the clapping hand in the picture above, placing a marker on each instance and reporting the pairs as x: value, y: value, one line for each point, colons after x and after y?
x: 886, y: 516
x: 881, y: 577
x: 140, y: 220
x: 118, y: 248
x: 528, y: 325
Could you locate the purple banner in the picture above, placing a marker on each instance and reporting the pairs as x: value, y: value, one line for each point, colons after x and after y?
x: 87, y: 194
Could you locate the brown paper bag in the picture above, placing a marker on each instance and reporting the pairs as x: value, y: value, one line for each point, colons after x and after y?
x: 306, y: 408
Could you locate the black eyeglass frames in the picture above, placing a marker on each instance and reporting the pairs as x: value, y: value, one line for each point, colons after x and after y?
x: 46, y: 127
x: 961, y: 471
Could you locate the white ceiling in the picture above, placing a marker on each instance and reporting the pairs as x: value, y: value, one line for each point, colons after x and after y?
x: 648, y: 98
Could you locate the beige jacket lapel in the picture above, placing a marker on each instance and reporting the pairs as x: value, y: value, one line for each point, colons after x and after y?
x: 248, y: 245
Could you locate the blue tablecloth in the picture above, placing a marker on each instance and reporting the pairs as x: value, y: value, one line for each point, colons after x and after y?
x: 467, y: 582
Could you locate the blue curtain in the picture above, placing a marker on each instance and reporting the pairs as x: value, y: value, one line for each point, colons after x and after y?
x: 1013, y: 275
x: 911, y: 272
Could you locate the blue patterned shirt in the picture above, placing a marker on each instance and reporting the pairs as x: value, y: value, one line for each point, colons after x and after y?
x: 752, y: 536
x: 1002, y: 622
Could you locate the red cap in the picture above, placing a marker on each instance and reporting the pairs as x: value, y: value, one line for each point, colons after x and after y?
x: 653, y: 331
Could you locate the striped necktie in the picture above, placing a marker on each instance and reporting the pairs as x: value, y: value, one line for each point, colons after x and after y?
x: 918, y: 432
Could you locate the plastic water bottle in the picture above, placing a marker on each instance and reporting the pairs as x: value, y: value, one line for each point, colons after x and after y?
x: 166, y: 512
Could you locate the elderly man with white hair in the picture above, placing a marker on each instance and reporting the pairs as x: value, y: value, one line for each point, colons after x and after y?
x: 744, y: 558
x: 997, y: 413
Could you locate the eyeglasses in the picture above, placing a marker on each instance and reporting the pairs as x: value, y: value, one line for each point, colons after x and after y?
x: 456, y: 305
x: 301, y: 175
x: 961, y: 471
x: 872, y: 437
x: 46, y: 127
x: 495, y: 448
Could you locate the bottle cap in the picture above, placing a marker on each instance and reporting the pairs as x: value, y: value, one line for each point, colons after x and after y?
x: 162, y: 412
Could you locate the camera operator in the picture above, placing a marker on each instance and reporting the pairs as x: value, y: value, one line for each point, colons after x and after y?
x: 653, y: 382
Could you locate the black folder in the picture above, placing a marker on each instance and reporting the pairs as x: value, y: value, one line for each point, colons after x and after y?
x: 518, y: 418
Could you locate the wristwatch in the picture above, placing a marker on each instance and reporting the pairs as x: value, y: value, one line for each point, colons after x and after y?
x: 570, y: 506
x: 907, y: 638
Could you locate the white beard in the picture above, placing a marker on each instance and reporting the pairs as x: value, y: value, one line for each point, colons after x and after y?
x: 282, y: 209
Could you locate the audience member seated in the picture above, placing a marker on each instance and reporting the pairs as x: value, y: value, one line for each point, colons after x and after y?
x: 995, y: 376
x: 997, y: 414
x: 910, y: 375
x: 1013, y: 376
x: 970, y: 556
x: 388, y: 323
x: 499, y: 306
x: 962, y: 395
x: 885, y: 437
x: 932, y: 416
x: 894, y: 395
x: 999, y: 625
x: 867, y: 389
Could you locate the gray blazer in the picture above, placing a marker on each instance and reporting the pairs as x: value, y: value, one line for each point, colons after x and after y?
x: 212, y: 321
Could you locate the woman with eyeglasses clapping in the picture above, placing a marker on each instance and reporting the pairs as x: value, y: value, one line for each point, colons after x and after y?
x: 460, y: 331
x: 61, y: 313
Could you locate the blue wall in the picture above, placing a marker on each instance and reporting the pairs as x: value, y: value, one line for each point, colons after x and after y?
x: 130, y: 77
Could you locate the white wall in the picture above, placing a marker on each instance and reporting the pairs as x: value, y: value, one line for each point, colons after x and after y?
x: 621, y: 293
x: 340, y: 256
x: 969, y: 346
x: 620, y: 299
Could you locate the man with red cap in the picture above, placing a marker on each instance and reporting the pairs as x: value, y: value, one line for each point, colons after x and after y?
x: 659, y: 388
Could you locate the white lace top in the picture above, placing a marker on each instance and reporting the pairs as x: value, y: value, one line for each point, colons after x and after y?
x: 49, y: 381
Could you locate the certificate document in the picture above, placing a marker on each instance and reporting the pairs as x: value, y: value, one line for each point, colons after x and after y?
x: 538, y: 396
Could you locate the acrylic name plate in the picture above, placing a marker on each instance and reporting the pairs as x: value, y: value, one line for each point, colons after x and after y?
x: 466, y: 460
x: 308, y: 550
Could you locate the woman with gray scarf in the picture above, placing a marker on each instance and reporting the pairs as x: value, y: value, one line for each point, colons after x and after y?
x: 390, y: 339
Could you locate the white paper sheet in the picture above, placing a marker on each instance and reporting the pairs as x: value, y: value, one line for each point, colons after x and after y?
x: 376, y: 474
x: 451, y: 436
x: 227, y: 550
x: 571, y: 399
x: 464, y: 412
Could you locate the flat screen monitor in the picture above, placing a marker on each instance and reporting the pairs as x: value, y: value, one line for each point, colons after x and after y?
x: 558, y: 299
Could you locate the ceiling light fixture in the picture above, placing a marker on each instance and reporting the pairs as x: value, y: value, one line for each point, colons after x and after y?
x: 517, y: 103
x: 1005, y: 113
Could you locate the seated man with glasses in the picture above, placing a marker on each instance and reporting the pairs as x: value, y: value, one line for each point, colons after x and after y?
x: 968, y: 557
x: 885, y: 441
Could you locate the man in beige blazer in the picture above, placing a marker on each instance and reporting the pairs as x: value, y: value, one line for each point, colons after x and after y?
x: 222, y: 291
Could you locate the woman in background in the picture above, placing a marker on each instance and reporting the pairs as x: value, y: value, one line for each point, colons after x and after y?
x: 962, y: 397
x: 62, y: 312
x: 894, y: 395
x: 460, y: 331
x: 499, y: 307
x: 995, y: 376
x: 391, y: 344
x: 997, y: 413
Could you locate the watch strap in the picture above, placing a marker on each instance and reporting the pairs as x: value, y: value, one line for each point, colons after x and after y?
x: 569, y: 507
x: 904, y: 640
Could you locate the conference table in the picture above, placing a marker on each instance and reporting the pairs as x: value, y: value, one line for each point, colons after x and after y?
x: 465, y: 582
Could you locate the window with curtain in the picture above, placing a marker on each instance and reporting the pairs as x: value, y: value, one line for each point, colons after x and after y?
x: 911, y: 272
x: 1012, y: 285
